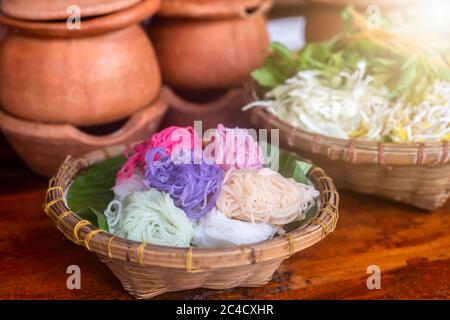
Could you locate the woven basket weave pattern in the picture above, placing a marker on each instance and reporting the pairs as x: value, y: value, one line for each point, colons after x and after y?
x: 416, y: 174
x: 147, y: 270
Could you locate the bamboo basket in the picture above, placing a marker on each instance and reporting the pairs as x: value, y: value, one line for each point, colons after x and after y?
x: 415, y: 173
x: 147, y: 270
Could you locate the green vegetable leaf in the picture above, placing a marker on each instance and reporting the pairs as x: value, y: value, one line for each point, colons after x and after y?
x: 289, y: 165
x: 311, y: 213
x: 347, y: 18
x: 279, y: 65
x: 268, y: 76
x: 95, y: 217
x: 444, y: 74
x: 386, y: 138
x: 283, y: 55
x: 90, y: 193
x: 405, y: 67
x: 407, y: 77
x: 101, y: 219
x: 89, y: 215
x: 286, y: 163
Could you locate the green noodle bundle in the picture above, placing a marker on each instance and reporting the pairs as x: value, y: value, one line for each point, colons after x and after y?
x: 151, y: 216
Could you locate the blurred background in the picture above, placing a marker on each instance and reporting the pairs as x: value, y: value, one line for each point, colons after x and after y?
x: 79, y: 75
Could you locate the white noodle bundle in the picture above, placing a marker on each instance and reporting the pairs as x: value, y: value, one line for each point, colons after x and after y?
x: 264, y: 195
x: 129, y: 185
x: 151, y: 216
x: 215, y: 230
x: 351, y: 106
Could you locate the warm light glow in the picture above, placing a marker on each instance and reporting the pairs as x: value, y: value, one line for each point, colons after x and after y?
x: 434, y: 15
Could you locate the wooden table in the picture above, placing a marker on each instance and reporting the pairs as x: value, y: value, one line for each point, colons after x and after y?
x: 411, y: 247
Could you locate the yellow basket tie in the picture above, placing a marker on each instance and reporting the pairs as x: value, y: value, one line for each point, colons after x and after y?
x: 189, y: 260
x: 333, y: 206
x: 330, y: 191
x: 51, y: 203
x: 55, y: 180
x: 291, y: 244
x: 333, y: 192
x: 89, y: 237
x: 53, y: 188
x: 77, y: 227
x: 110, y: 240
x: 60, y: 218
x: 140, y: 252
x: 63, y: 215
x: 319, y: 221
x: 334, y: 217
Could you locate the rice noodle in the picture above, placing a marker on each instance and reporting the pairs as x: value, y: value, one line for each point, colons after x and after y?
x: 265, y: 196
x: 217, y: 230
x: 350, y: 106
x: 129, y: 185
x: 151, y: 216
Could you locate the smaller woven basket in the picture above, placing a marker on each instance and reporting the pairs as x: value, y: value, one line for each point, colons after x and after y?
x: 412, y: 173
x: 147, y: 270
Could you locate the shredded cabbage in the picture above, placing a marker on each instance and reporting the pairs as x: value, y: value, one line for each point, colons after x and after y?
x: 351, y: 106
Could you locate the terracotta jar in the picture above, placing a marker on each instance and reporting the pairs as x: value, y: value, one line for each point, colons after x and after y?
x: 209, y: 45
x: 287, y: 8
x: 102, y: 72
x: 323, y: 17
x: 43, y: 147
x: 60, y: 9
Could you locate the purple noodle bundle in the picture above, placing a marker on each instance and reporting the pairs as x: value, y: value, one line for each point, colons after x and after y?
x: 194, y: 187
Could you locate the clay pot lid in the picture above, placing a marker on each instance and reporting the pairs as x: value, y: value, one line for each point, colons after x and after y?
x: 143, y: 118
x: 58, y: 9
x: 213, y: 8
x: 91, y: 26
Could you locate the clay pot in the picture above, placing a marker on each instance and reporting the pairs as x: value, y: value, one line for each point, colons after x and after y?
x: 287, y: 3
x: 287, y: 8
x: 323, y: 17
x: 213, y: 45
x: 43, y: 147
x: 58, y: 9
x: 225, y: 109
x: 100, y: 73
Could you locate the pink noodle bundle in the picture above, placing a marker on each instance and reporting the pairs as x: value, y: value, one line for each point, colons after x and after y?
x: 170, y: 139
x: 235, y: 148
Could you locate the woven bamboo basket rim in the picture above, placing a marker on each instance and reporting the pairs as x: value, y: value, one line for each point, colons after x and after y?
x: 358, y: 151
x: 191, y: 259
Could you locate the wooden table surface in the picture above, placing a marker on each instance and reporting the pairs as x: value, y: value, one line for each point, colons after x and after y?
x: 411, y: 247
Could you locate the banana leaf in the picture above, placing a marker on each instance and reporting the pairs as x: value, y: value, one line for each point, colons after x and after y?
x: 286, y: 163
x: 90, y: 193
